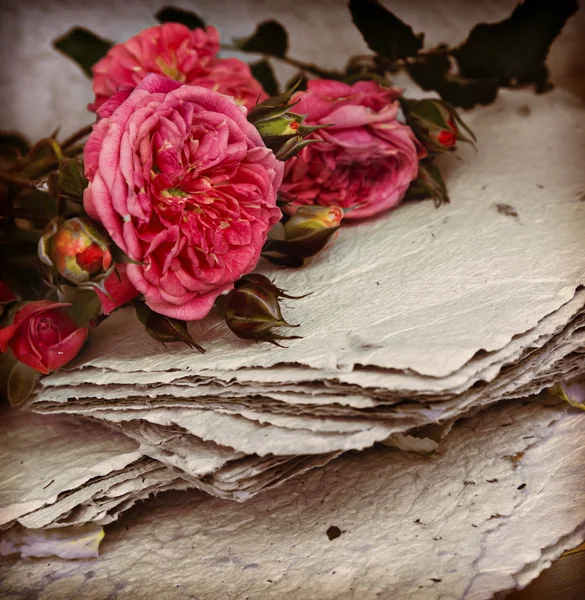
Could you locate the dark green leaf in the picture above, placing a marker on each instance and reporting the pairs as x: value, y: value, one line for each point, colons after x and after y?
x: 383, y: 31
x: 168, y: 14
x: 262, y: 71
x: 21, y: 383
x: 514, y: 51
x: 83, y: 46
x: 269, y: 38
x: 432, y: 72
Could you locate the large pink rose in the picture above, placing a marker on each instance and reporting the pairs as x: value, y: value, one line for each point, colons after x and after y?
x: 177, y: 52
x: 184, y: 185
x: 364, y: 157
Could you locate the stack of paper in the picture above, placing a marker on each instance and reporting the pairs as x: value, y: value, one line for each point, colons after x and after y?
x: 414, y: 319
x: 465, y: 523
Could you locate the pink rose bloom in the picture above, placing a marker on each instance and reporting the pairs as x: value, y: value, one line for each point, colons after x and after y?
x: 232, y: 77
x: 365, y: 157
x: 43, y: 336
x: 183, y: 183
x: 177, y: 52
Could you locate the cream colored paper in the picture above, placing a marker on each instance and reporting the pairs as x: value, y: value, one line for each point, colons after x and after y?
x: 43, y: 457
x: 466, y: 523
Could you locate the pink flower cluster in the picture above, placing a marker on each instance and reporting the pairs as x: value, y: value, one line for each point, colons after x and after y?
x: 175, y: 51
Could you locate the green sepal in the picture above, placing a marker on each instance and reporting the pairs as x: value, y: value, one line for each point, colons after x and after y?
x: 428, y: 184
x: 21, y: 382
x: 303, y: 247
x: 164, y: 329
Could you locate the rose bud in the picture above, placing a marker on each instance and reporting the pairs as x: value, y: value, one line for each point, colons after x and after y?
x: 281, y: 129
x: 284, y: 134
x: 436, y: 123
x: 77, y: 249
x: 309, y: 231
x: 43, y: 336
x: 252, y: 311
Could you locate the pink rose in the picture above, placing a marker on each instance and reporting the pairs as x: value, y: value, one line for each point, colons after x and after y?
x: 183, y: 184
x: 43, y: 336
x: 120, y: 290
x: 365, y: 157
x: 177, y: 52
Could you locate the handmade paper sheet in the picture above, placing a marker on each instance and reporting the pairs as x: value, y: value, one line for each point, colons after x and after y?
x: 464, y: 523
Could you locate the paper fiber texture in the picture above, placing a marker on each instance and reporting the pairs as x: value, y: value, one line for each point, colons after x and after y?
x: 45, y: 456
x: 466, y: 523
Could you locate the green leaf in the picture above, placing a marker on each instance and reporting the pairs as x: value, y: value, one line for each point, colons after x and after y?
x: 514, y: 51
x: 83, y: 47
x: 269, y: 38
x: 168, y: 14
x: 383, y: 31
x: 432, y: 72
x: 21, y: 382
x: 262, y: 71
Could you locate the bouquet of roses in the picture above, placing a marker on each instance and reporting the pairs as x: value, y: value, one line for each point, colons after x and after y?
x: 196, y: 167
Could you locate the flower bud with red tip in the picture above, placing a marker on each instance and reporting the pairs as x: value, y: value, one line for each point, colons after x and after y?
x: 436, y: 124
x: 76, y: 249
x: 309, y: 231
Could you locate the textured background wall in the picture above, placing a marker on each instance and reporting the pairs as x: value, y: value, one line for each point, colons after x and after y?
x: 39, y: 88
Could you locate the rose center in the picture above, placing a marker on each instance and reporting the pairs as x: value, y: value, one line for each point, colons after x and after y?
x: 170, y: 70
x: 48, y: 332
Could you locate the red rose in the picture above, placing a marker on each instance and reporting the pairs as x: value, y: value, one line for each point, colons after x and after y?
x: 43, y: 336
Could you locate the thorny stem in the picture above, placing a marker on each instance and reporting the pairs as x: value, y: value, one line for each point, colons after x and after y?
x: 10, y: 178
x: 25, y: 172
x: 303, y: 66
x: 75, y: 137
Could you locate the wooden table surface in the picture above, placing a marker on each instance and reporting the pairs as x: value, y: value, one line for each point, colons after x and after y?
x: 565, y: 580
